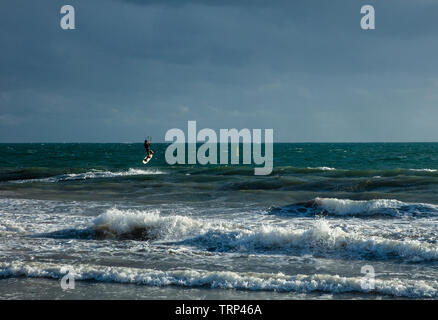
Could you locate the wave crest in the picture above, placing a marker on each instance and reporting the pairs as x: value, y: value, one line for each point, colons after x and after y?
x: 93, y: 174
x: 221, y: 279
x: 143, y: 225
x: 320, y: 239
x: 358, y: 208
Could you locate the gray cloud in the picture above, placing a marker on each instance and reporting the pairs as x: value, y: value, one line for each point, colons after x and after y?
x: 135, y: 68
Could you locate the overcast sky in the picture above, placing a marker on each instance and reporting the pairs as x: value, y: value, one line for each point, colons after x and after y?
x: 133, y: 68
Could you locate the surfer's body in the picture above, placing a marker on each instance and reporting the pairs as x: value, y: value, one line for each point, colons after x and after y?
x: 147, y: 146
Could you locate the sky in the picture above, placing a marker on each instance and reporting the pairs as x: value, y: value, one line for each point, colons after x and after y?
x: 134, y: 68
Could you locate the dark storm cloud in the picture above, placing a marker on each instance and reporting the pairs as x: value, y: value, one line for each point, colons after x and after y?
x: 304, y: 68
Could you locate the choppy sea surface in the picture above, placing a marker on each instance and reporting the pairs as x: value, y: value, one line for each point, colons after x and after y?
x: 125, y: 230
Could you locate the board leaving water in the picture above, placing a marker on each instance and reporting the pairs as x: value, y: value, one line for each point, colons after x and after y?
x: 147, y: 159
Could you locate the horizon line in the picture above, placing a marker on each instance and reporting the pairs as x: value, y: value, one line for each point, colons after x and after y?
x: 163, y: 142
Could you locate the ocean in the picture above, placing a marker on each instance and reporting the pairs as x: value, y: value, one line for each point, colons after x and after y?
x: 124, y: 230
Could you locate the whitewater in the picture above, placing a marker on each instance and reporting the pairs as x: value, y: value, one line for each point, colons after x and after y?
x: 219, y: 232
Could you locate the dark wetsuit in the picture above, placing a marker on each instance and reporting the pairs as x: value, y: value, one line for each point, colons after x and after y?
x: 147, y: 146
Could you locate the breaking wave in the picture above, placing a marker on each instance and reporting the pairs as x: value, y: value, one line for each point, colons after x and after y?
x: 93, y: 174
x: 358, y: 208
x: 143, y: 225
x: 221, y: 279
x: 321, y: 169
x: 321, y: 238
x: 346, y: 173
x: 423, y: 170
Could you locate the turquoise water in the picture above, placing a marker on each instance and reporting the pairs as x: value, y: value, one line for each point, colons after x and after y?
x: 362, y: 156
x: 219, y: 231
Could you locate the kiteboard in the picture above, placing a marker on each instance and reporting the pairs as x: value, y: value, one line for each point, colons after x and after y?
x: 147, y: 159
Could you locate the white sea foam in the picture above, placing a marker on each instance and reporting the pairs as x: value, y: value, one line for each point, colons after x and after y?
x: 354, y: 207
x: 321, y: 238
x: 43, y: 216
x: 423, y: 170
x: 93, y: 174
x: 221, y: 279
x: 347, y: 207
x: 7, y: 225
x: 322, y: 168
x: 325, y: 239
x: 372, y: 207
x: 115, y: 222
